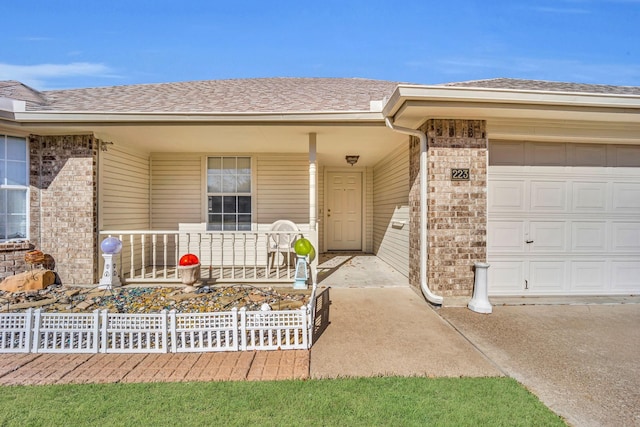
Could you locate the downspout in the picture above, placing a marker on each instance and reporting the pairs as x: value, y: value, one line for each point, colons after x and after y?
x: 424, y: 207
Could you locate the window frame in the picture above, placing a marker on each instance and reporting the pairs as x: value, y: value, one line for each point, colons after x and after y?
x: 15, y: 187
x: 250, y: 194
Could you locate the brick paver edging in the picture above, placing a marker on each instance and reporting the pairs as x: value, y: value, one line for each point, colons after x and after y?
x: 32, y: 369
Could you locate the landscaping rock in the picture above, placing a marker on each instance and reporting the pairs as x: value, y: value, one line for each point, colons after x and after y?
x: 26, y: 305
x: 58, y: 298
x: 85, y: 304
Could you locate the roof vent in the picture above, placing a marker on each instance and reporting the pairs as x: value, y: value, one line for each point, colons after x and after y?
x: 375, y: 106
x: 12, y: 105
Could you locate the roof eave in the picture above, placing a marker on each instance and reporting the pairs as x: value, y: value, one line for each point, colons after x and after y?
x: 497, y: 103
x: 60, y: 117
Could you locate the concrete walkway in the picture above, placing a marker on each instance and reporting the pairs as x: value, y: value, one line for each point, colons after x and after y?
x: 391, y: 331
x: 357, y: 270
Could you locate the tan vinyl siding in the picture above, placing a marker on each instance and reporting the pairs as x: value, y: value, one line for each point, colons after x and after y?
x: 282, y: 188
x: 124, y: 196
x: 367, y: 243
x: 391, y: 210
x: 124, y: 192
x: 176, y: 190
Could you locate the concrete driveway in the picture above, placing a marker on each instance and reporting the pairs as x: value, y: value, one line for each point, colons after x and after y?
x: 581, y: 361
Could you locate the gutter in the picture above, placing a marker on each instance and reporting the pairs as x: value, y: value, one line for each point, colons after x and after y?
x: 424, y: 207
x: 180, y: 118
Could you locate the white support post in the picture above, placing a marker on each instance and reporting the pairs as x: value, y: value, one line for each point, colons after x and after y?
x: 313, y: 204
x: 313, y: 198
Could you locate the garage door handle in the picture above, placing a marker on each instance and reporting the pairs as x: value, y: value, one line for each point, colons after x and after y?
x: 528, y: 241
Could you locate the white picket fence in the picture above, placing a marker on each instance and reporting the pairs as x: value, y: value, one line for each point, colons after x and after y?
x: 35, y: 331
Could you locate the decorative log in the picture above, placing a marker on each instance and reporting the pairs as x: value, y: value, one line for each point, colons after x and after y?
x: 28, y: 281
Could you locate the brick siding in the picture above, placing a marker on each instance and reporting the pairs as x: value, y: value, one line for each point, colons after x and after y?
x: 457, y: 219
x: 12, y: 258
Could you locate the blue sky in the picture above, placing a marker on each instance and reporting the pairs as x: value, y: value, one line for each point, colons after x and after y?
x: 70, y: 44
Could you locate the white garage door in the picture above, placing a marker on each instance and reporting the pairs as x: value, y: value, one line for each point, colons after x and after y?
x: 564, y: 219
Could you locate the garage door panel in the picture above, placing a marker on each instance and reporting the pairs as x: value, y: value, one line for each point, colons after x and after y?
x: 548, y: 236
x: 547, y: 276
x: 546, y: 154
x: 588, y: 155
x: 588, y: 276
x: 548, y: 196
x: 627, y: 156
x: 589, y: 196
x: 506, y: 236
x: 625, y: 236
x: 626, y: 197
x: 507, y: 196
x: 588, y: 236
x: 506, y: 277
x: 625, y: 276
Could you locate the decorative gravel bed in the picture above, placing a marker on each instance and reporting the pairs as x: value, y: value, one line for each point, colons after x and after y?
x: 130, y: 299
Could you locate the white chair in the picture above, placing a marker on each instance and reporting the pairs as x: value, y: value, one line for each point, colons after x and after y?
x: 281, y: 243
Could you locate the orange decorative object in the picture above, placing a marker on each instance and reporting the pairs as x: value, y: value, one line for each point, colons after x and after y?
x: 189, y: 259
x: 34, y: 257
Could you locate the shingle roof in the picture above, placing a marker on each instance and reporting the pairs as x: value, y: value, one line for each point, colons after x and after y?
x: 237, y: 95
x: 547, y: 86
x: 262, y: 95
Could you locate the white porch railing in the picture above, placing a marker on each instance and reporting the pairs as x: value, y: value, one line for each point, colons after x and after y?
x: 244, y: 256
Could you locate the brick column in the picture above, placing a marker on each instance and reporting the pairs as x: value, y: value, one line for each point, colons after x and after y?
x: 63, y: 220
x: 457, y: 220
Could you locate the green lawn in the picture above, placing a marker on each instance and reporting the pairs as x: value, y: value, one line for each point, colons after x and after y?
x: 388, y: 401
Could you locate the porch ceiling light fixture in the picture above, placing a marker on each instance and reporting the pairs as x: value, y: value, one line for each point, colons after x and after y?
x: 104, y: 144
x: 352, y: 159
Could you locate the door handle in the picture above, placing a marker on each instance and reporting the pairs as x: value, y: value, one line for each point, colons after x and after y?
x: 528, y: 241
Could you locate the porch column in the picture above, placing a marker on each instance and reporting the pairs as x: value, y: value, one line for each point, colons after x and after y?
x: 313, y: 196
x: 64, y: 212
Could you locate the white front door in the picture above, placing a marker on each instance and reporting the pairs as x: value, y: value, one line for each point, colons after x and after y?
x: 344, y: 211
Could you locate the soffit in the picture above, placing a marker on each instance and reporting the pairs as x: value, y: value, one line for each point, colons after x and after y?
x: 371, y: 141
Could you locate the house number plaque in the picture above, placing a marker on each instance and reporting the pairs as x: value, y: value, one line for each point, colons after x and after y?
x: 460, y: 174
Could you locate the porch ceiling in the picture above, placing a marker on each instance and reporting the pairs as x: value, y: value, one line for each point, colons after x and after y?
x: 371, y: 141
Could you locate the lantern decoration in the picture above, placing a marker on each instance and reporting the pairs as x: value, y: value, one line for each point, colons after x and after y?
x: 110, y: 246
x: 304, y: 252
x: 303, y: 247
